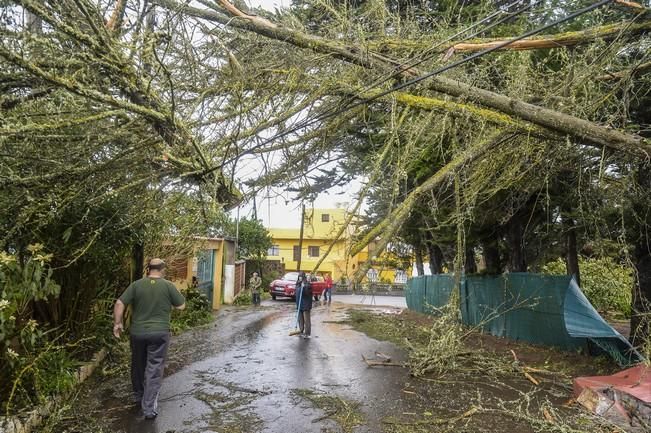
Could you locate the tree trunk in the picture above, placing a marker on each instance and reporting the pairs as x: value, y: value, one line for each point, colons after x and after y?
x: 568, y: 39
x: 587, y: 132
x: 418, y: 253
x: 640, y: 69
x: 391, y: 223
x: 571, y: 252
x: 435, y: 258
x: 515, y: 238
x: 641, y: 299
x: 641, y: 302
x: 470, y: 264
x: 114, y: 24
x: 491, y: 254
x: 559, y: 40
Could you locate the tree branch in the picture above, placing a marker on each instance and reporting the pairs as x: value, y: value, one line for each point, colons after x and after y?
x: 560, y: 40
x: 583, y: 130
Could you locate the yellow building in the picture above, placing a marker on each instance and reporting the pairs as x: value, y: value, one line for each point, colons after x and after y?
x: 320, y: 228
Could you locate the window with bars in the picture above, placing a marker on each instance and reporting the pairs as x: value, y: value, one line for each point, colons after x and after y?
x: 274, y: 250
x: 297, y: 253
x: 325, y: 217
x: 313, y: 251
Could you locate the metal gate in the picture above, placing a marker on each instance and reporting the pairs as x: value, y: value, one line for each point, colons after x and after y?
x: 205, y: 272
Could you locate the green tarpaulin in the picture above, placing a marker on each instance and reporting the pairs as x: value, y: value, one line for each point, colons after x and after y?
x: 539, y: 309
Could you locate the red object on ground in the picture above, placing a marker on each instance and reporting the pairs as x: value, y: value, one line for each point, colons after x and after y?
x: 625, y: 397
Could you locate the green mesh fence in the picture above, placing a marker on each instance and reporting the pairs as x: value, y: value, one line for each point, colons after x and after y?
x: 539, y: 309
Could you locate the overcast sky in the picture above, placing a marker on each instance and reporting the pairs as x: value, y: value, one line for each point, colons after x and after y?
x: 268, y: 4
x: 274, y: 207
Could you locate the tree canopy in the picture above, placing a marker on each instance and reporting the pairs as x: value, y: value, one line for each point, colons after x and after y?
x: 125, y: 122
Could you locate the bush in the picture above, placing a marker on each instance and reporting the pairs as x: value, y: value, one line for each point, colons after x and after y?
x: 54, y: 373
x: 243, y: 298
x: 604, y: 282
x: 27, y: 374
x: 197, y: 312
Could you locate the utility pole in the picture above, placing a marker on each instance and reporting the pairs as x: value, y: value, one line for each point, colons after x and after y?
x: 300, y: 238
x: 255, y: 207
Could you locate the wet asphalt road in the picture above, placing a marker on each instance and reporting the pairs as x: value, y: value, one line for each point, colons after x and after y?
x: 245, y: 374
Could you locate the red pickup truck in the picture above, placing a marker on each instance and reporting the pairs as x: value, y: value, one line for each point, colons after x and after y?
x: 286, y: 286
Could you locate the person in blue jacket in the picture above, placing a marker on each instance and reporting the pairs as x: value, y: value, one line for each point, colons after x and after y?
x: 304, y: 304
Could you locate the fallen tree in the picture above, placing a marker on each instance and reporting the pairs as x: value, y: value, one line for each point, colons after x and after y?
x: 582, y: 130
x: 559, y: 40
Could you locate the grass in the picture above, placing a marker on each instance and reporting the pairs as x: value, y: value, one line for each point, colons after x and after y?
x: 393, y: 328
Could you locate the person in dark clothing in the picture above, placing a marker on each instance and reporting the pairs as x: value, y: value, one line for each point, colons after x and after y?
x: 304, y: 304
x: 152, y: 299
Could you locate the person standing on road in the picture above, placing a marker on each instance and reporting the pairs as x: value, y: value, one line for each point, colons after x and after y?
x: 304, y: 304
x: 254, y: 285
x: 152, y: 299
x: 327, y: 293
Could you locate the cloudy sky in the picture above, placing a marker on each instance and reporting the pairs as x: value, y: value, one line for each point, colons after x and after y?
x: 268, y: 4
x: 274, y: 207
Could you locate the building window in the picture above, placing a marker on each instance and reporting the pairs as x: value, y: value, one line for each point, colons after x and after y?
x: 274, y: 250
x: 325, y: 217
x: 297, y: 253
x: 313, y: 251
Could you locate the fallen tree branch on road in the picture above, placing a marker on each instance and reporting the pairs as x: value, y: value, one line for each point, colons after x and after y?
x: 384, y: 362
x: 436, y: 421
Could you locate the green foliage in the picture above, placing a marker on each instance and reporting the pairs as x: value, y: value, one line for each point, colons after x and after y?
x: 243, y: 298
x: 32, y: 368
x: 254, y: 239
x: 197, y: 312
x: 103, y: 150
x: 54, y: 373
x: 605, y: 283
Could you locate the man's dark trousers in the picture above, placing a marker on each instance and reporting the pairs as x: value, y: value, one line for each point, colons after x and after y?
x: 148, y: 353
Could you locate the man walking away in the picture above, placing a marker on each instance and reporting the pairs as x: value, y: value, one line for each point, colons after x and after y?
x: 152, y: 299
x: 304, y: 295
x: 254, y: 285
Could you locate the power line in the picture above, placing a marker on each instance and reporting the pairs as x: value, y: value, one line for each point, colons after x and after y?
x: 416, y: 80
x: 491, y: 49
x: 428, y: 54
x: 432, y: 51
